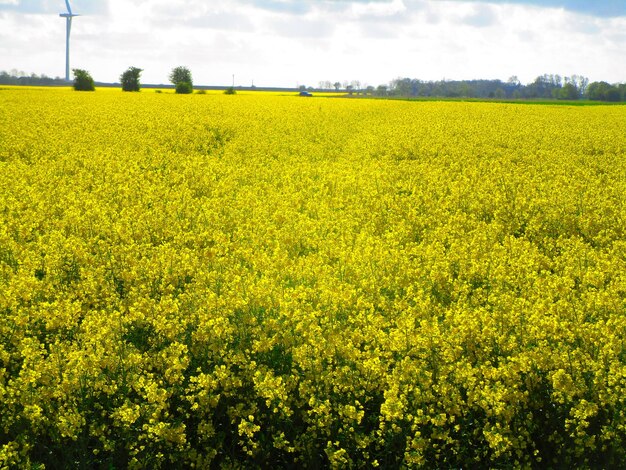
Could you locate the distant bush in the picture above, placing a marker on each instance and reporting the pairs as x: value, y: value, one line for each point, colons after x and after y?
x: 83, y: 80
x: 182, y: 80
x: 201, y: 92
x: 230, y: 91
x: 130, y: 79
x: 184, y: 88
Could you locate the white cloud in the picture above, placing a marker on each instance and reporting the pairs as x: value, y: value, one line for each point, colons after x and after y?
x: 288, y: 42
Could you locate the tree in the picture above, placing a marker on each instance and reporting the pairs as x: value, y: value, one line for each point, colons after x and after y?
x: 130, y: 79
x: 381, y: 90
x: 181, y: 79
x: 557, y: 80
x: 603, y: 91
x: 569, y: 92
x: 542, y: 87
x: 337, y: 86
x: 613, y: 94
x: 514, y: 81
x: 83, y: 81
x: 404, y: 87
x: 581, y: 83
x: 184, y: 88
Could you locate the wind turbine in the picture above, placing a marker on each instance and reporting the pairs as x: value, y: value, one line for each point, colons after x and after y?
x: 68, y: 26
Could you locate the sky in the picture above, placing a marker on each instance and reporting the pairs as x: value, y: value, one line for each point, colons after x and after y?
x: 290, y: 43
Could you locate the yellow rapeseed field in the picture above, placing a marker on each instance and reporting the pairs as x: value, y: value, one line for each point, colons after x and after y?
x: 272, y: 281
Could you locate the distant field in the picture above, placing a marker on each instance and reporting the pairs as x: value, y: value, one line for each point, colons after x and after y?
x: 274, y: 281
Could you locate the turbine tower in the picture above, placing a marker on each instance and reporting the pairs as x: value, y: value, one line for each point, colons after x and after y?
x: 68, y: 27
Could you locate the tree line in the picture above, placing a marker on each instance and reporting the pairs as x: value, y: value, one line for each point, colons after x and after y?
x: 130, y: 79
x: 15, y: 77
x: 545, y: 86
x: 554, y: 87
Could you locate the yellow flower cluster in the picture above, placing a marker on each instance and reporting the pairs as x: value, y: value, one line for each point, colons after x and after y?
x: 210, y: 281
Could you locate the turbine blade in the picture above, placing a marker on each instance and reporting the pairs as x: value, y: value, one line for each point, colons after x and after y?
x: 69, y: 9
